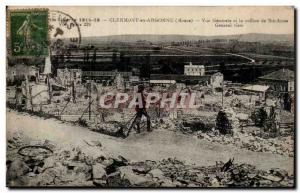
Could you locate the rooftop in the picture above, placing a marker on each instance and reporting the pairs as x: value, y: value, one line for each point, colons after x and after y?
x: 190, y: 65
x: 162, y: 81
x: 282, y: 74
x: 256, y: 88
x: 217, y: 74
x: 178, y: 77
x: 105, y: 73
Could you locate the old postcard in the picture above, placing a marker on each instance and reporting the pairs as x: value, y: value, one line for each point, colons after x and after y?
x: 158, y: 97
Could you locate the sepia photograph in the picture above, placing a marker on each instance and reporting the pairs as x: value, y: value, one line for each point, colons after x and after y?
x: 150, y: 97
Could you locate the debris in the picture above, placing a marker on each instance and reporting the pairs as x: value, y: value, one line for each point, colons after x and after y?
x: 48, y: 163
x: 112, y: 129
x: 157, y: 173
x: 99, y: 174
x: 17, y: 168
x: 98, y: 171
x: 272, y: 178
x: 69, y: 166
x: 228, y: 165
x: 135, y: 180
x: 141, y: 169
x: 73, y: 167
x: 279, y: 145
x: 35, y: 151
x: 115, y: 180
x: 93, y: 143
x: 214, y: 182
x: 112, y: 164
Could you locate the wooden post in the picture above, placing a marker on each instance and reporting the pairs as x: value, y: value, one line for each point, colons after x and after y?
x: 73, y: 92
x: 49, y: 88
x: 261, y: 128
x: 17, y: 96
x: 278, y: 129
x: 30, y: 96
x: 90, y: 96
x: 27, y: 93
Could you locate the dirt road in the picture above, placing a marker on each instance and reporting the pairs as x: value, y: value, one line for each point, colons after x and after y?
x: 156, y: 145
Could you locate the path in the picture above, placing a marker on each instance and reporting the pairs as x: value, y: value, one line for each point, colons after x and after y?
x: 156, y: 145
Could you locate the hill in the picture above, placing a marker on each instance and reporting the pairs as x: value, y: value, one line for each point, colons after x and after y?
x: 251, y: 37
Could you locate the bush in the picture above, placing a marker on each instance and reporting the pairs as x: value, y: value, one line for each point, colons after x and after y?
x: 259, y: 117
x: 223, y: 124
x: 82, y: 122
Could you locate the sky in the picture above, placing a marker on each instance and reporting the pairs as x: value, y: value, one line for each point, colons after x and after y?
x: 194, y: 15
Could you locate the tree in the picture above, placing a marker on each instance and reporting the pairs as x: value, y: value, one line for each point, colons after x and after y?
x: 259, y: 117
x: 223, y: 124
x: 270, y: 124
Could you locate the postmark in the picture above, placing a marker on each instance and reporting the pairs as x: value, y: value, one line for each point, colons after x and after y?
x: 28, y: 32
x: 64, y: 33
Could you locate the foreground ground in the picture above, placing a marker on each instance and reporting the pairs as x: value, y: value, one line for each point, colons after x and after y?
x: 158, y: 145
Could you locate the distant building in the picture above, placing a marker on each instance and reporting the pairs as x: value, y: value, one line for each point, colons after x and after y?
x: 259, y: 90
x: 281, y: 84
x: 67, y: 76
x: 216, y: 80
x: 135, y: 71
x: 180, y: 78
x: 104, y: 75
x: 162, y: 82
x: 194, y: 70
x: 119, y: 81
x: 134, y: 79
x: 19, y: 71
x: 281, y: 81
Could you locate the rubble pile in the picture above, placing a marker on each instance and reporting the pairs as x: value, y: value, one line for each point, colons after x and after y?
x: 222, y: 174
x: 112, y: 128
x: 193, y: 124
x: 41, y: 163
x: 63, y: 105
x: 279, y: 145
x: 204, y: 128
x: 163, y: 123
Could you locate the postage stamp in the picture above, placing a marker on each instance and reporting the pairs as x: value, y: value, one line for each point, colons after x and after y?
x: 28, y: 32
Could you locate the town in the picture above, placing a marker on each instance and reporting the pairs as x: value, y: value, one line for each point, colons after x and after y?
x: 242, y: 92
